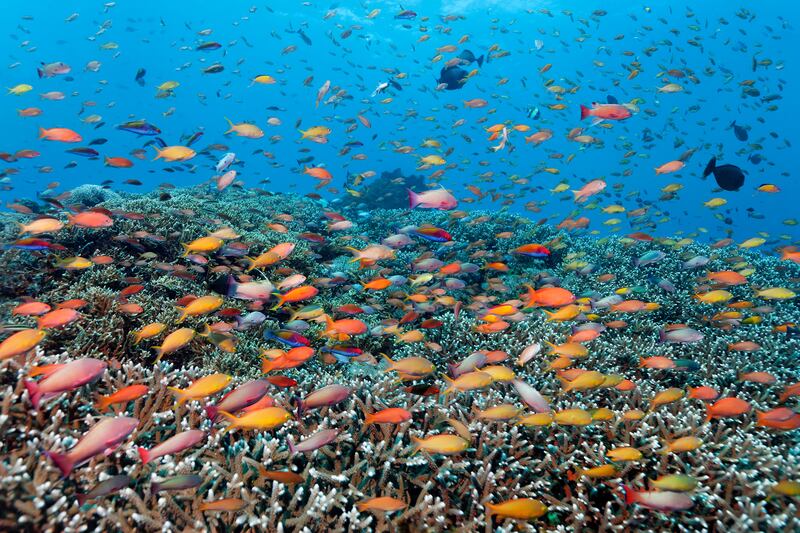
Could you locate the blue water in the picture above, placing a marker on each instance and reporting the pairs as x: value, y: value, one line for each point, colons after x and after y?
x: 585, y: 51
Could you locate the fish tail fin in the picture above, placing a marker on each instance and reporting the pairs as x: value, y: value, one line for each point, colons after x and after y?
x: 630, y: 494
x: 369, y: 418
x: 712, y: 164
x: 549, y: 314
x: 34, y: 392
x: 230, y: 124
x: 391, y: 363
x: 451, y: 387
x: 206, y: 330
x: 158, y: 153
x: 292, y: 449
x: 212, y: 411
x: 354, y: 251
x: 61, y: 460
x: 81, y: 499
x: 480, y: 60
x: 42, y: 133
x: 417, y: 444
x: 185, y: 249
x: 102, y: 404
x: 144, y: 455
x: 159, y: 352
x: 585, y: 111
x: 230, y: 418
x: 180, y: 395
x: 413, y: 199
x: 281, y: 301
x: 183, y: 315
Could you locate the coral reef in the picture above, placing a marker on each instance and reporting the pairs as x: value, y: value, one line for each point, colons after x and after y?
x: 737, y: 466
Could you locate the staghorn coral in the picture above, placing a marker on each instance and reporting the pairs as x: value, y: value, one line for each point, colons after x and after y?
x: 737, y: 466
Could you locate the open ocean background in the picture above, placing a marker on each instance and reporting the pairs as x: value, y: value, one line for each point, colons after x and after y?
x: 161, y: 37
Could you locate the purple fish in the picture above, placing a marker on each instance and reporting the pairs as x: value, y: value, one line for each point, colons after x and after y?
x: 104, y: 488
x: 324, y: 397
x: 69, y: 377
x: 314, y: 442
x: 103, y: 437
x: 175, y: 444
x: 242, y: 396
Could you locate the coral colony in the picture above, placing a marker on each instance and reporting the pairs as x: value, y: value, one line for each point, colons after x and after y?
x: 293, y: 367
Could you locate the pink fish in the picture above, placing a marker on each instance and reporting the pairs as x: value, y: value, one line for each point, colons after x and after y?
x: 324, y: 397
x: 531, y: 397
x: 432, y: 199
x: 600, y: 112
x: 66, y: 378
x: 225, y: 180
x: 590, y: 189
x: 314, y: 442
x: 175, y: 444
x: 658, y: 500
x: 53, y: 69
x: 291, y: 282
x: 242, y: 396
x: 103, y: 437
x: 472, y: 362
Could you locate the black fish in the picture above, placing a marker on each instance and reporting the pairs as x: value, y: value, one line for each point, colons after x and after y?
x: 739, y: 131
x: 303, y: 36
x: 728, y: 177
x: 453, y: 77
x: 140, y: 76
x: 194, y: 138
x: 99, y: 140
x: 467, y: 58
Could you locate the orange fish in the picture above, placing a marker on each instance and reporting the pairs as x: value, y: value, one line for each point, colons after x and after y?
x: 391, y: 415
x: 298, y: 294
x: 727, y: 407
x: 124, y: 395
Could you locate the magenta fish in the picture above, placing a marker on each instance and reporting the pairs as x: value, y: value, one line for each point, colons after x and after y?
x: 103, y: 437
x: 175, y: 444
x: 324, y: 397
x: 68, y: 377
x: 314, y: 442
x: 242, y: 396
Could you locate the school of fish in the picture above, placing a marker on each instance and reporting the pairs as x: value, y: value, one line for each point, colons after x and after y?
x: 219, y: 354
